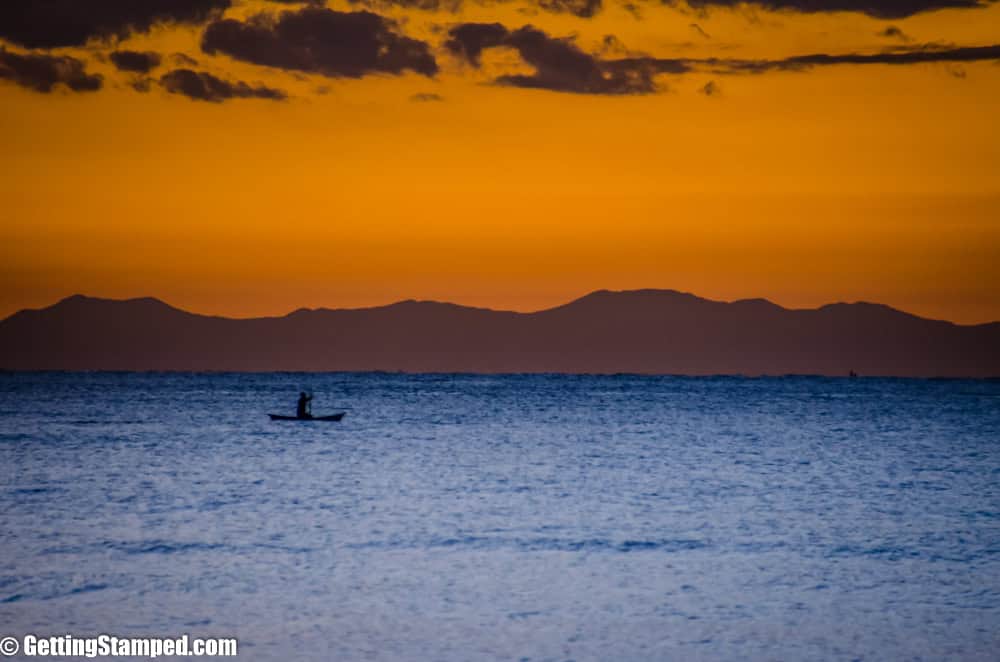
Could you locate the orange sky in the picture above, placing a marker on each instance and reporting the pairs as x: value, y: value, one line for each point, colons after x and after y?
x: 860, y: 181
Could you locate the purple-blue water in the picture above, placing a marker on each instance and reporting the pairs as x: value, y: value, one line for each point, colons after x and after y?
x: 506, y: 518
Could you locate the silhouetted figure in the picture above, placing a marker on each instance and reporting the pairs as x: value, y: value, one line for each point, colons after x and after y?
x: 302, y: 411
x: 852, y: 374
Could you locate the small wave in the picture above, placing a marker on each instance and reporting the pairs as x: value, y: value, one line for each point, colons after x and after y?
x: 56, y: 593
x: 204, y: 622
x: 284, y: 548
x: 164, y: 547
x: 167, y: 547
x: 887, y: 552
x: 540, y: 544
x: 88, y: 588
x: 25, y: 491
x: 76, y: 590
x: 16, y: 436
x: 94, y: 421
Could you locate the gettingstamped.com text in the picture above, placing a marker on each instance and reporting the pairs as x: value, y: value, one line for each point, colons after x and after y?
x: 106, y: 645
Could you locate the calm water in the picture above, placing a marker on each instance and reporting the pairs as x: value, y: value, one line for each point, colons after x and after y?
x: 506, y: 518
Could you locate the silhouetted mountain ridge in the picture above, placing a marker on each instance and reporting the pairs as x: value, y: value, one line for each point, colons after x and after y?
x: 640, y: 331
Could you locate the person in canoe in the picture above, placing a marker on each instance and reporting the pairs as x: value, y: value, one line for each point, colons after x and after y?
x: 303, y: 412
x: 303, y: 408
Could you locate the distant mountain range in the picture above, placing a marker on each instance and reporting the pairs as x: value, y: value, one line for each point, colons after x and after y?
x: 642, y: 331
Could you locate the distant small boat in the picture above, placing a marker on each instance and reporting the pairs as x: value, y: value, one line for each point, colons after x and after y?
x: 331, y: 417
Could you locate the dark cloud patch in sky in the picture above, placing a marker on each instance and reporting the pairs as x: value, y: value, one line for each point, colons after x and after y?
x: 612, y: 45
x: 892, y: 32
x: 55, y: 23
x: 323, y: 41
x: 184, y: 60
x: 426, y: 97
x: 874, y: 8
x: 700, y: 30
x: 469, y: 40
x: 203, y: 86
x: 42, y: 73
x: 660, y: 65
x: 423, y: 5
x: 135, y: 61
x: 581, y: 8
x: 885, y: 9
x: 560, y: 65
x: 916, y: 55
x: 710, y: 89
x: 633, y: 9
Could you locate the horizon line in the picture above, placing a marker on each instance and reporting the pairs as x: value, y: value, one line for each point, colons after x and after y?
x: 593, y: 293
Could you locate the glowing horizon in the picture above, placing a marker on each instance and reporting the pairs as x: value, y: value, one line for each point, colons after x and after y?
x: 529, y: 311
x: 804, y: 155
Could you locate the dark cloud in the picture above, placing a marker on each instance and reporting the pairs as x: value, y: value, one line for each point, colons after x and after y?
x: 54, y: 23
x: 323, y: 41
x: 884, y: 9
x: 426, y: 96
x: 184, y: 60
x: 700, y: 30
x: 612, y: 45
x: 42, y: 73
x: 916, y: 55
x: 423, y: 5
x: 633, y: 9
x: 875, y: 8
x: 892, y: 32
x: 560, y: 65
x: 469, y: 40
x: 139, y: 62
x: 203, y: 86
x: 710, y: 89
x: 581, y: 8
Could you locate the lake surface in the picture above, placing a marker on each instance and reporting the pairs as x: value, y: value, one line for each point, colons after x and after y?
x: 506, y: 518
